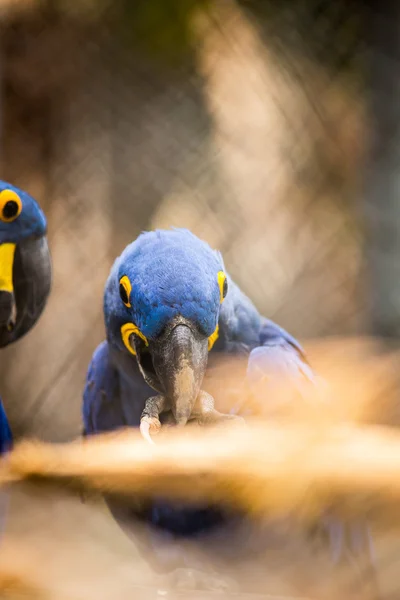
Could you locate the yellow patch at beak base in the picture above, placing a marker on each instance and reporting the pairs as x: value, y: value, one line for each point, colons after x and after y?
x: 7, y: 252
x: 126, y: 331
x: 213, y: 338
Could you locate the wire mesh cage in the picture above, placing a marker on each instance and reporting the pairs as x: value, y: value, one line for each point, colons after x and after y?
x: 249, y: 143
x: 246, y: 122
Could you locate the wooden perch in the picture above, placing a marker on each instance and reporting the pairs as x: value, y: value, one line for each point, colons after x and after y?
x: 262, y: 469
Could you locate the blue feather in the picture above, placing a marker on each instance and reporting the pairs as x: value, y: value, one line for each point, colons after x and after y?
x: 6, y: 438
x: 173, y: 272
x: 31, y: 221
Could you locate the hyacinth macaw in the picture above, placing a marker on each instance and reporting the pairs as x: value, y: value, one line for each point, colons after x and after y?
x: 170, y: 310
x: 25, y: 273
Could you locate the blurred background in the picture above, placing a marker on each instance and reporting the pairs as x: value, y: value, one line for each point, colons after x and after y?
x: 269, y: 128
x: 243, y: 121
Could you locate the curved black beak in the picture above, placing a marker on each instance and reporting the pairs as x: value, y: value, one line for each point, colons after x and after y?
x: 25, y: 282
x: 175, y: 364
x: 7, y: 310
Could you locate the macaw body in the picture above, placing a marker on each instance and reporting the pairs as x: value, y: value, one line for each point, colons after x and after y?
x: 171, y: 312
x: 5, y: 431
x: 25, y: 273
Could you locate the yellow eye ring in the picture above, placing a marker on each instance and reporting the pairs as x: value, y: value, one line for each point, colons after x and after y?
x: 125, y: 289
x: 223, y: 286
x: 10, y: 206
x: 126, y: 331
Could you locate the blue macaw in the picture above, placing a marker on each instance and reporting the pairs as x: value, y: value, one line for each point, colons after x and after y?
x: 25, y: 273
x: 170, y: 310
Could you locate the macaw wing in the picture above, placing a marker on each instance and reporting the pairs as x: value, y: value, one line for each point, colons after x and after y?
x: 279, y: 355
x: 6, y: 438
x: 6, y: 443
x: 277, y: 374
x: 102, y: 410
x: 280, y: 378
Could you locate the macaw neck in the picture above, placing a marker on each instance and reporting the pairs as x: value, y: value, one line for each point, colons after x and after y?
x: 125, y: 363
x: 239, y: 323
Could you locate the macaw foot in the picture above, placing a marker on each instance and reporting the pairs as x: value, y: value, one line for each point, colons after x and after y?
x: 203, y: 413
x: 351, y: 545
x: 185, y: 579
x: 150, y: 421
x: 352, y: 541
x: 149, y: 426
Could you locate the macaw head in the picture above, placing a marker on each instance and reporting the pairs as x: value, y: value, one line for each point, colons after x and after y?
x: 25, y: 266
x: 161, y: 304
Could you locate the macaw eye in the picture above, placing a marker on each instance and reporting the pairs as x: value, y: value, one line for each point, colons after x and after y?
x: 125, y: 289
x: 10, y: 206
x: 223, y: 285
x: 126, y: 331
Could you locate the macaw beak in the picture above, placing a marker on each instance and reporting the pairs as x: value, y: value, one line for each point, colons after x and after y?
x: 25, y: 281
x: 178, y: 363
x: 7, y: 301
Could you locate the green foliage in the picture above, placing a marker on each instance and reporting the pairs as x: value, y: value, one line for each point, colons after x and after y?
x: 161, y: 27
x: 326, y: 31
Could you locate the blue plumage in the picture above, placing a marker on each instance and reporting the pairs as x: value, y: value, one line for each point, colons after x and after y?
x: 30, y: 223
x: 171, y: 290
x: 172, y: 273
x: 5, y: 431
x: 25, y: 273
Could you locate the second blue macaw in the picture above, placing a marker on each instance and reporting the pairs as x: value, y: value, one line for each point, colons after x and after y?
x: 25, y: 273
x: 170, y: 310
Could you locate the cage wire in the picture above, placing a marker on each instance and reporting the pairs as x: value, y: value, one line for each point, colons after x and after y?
x: 249, y: 143
x: 243, y: 121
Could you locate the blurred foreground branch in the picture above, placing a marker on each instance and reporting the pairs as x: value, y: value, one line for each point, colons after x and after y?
x: 264, y: 469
